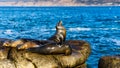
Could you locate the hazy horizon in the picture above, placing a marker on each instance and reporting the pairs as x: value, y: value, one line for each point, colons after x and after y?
x: 55, y: 2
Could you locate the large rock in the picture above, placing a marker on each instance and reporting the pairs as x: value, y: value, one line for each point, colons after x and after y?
x: 12, y: 58
x: 109, y: 62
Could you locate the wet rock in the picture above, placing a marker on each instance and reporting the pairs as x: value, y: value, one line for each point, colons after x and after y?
x: 24, y: 59
x: 109, y: 62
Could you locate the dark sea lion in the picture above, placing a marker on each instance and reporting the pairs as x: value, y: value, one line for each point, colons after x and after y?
x: 52, y: 49
x: 60, y: 35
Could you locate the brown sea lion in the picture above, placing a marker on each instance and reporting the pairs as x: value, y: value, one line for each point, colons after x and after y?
x: 26, y: 42
x: 60, y: 35
x: 45, y: 47
x: 27, y: 45
x: 14, y: 43
x: 52, y: 49
x: 3, y: 40
x: 30, y: 43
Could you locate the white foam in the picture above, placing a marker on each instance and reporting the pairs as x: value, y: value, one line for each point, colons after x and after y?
x: 116, y: 41
x: 43, y: 30
x: 109, y: 29
x: 47, y: 29
x: 53, y: 29
x: 79, y: 29
x: 8, y: 32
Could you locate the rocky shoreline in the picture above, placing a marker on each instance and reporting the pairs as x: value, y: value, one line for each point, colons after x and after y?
x: 14, y: 58
x: 55, y: 52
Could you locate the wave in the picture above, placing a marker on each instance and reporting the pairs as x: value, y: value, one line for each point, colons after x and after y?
x: 116, y: 41
x: 8, y: 31
x: 79, y: 29
x: 88, y: 29
x: 47, y: 30
x: 108, y: 28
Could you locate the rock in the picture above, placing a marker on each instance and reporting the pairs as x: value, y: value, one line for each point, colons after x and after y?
x: 7, y: 64
x: 80, y: 52
x: 82, y: 66
x: 25, y: 59
x: 4, y: 53
x: 109, y: 62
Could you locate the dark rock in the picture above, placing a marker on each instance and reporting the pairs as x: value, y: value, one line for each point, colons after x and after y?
x: 80, y: 52
x: 109, y: 62
x: 82, y: 66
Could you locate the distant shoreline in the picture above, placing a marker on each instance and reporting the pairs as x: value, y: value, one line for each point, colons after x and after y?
x: 69, y: 6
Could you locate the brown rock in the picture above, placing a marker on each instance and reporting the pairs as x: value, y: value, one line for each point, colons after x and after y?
x: 80, y: 52
x: 7, y: 64
x: 82, y: 66
x: 109, y: 62
x: 25, y: 59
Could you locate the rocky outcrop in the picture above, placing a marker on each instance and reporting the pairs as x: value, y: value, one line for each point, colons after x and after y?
x: 109, y: 62
x: 14, y: 58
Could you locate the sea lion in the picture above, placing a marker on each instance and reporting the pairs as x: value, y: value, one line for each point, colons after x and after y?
x: 46, y: 48
x: 51, y: 49
x: 20, y: 42
x: 60, y: 35
x: 27, y: 45
x: 14, y: 43
x: 3, y: 40
x: 30, y: 43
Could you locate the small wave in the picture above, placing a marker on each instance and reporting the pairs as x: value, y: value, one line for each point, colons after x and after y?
x: 109, y: 29
x: 47, y: 29
x: 52, y: 29
x: 79, y: 29
x: 8, y: 32
x: 117, y: 21
x: 116, y: 41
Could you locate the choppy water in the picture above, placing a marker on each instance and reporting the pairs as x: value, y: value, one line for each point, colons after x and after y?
x: 100, y: 26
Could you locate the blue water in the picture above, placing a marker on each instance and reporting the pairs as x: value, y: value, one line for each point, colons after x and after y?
x: 100, y: 26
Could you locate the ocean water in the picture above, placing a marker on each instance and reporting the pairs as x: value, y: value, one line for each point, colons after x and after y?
x: 100, y: 26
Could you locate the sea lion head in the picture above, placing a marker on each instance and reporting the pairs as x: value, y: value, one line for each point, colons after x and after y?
x: 7, y: 43
x: 59, y: 26
x: 13, y: 43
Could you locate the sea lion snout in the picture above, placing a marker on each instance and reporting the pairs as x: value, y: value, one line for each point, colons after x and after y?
x: 59, y: 23
x: 59, y: 26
